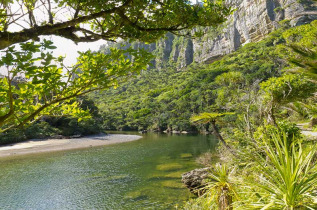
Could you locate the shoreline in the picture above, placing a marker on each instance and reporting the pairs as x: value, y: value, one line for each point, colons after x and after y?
x: 36, y: 146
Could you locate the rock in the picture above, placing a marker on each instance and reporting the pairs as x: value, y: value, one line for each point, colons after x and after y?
x: 143, y: 131
x: 195, y: 180
x: 168, y: 130
x: 177, y: 132
x: 75, y: 136
x: 184, y: 132
x: 57, y: 137
x: 251, y: 22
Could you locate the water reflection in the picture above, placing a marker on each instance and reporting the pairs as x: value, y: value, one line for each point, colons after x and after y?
x: 144, y: 174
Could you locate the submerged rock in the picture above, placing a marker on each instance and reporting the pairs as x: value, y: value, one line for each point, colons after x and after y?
x: 169, y: 167
x: 174, y: 175
x: 195, y: 180
x: 186, y: 155
x: 172, y: 184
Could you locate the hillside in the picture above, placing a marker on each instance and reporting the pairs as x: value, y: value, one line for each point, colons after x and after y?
x: 166, y: 99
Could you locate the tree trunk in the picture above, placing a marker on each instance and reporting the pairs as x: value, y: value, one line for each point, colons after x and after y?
x: 218, y: 135
x: 225, y: 200
x: 272, y: 117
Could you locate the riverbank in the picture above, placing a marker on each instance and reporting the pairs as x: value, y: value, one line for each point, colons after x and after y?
x: 51, y: 145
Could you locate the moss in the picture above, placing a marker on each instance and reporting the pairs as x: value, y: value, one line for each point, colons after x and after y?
x: 278, y: 9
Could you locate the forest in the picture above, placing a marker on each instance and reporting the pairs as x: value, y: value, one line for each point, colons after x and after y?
x: 166, y: 99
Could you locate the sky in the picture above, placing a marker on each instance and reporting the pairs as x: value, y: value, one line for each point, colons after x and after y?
x: 68, y: 48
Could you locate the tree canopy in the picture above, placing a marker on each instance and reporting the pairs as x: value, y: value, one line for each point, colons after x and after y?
x: 34, y: 83
x: 90, y: 20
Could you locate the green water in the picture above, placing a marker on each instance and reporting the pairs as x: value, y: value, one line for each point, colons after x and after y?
x: 144, y: 174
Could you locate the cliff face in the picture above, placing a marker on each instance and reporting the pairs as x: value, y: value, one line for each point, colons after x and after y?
x: 251, y: 22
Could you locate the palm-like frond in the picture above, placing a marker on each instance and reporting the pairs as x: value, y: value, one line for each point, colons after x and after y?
x: 208, y: 117
x: 289, y: 175
x: 306, y: 58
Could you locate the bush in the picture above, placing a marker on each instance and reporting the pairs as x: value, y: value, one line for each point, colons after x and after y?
x: 286, y: 128
x: 40, y: 130
x: 70, y: 126
x: 12, y: 136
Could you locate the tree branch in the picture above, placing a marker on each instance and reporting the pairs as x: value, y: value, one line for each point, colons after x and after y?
x: 64, y: 29
x: 11, y: 106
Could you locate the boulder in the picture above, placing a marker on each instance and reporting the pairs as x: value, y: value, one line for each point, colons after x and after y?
x: 57, y: 137
x: 143, y: 131
x: 195, y: 180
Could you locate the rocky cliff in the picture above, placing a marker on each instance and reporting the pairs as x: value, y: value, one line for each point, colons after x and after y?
x: 251, y: 21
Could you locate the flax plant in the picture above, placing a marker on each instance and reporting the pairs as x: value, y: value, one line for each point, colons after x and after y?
x: 288, y: 175
x: 220, y: 192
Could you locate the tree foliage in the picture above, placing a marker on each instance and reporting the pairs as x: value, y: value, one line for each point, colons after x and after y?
x: 208, y: 117
x: 90, y: 20
x: 287, y: 88
x: 36, y: 83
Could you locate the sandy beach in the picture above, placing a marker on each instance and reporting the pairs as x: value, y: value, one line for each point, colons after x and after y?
x: 50, y: 145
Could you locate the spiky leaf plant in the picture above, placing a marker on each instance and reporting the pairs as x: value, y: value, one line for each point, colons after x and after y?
x: 288, y: 175
x: 219, y: 193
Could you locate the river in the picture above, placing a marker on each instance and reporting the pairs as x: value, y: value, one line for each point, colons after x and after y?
x: 144, y: 174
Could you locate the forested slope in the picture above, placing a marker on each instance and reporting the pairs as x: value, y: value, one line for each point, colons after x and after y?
x: 167, y: 98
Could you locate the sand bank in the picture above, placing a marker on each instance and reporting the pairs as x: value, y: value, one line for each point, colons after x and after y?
x: 50, y: 145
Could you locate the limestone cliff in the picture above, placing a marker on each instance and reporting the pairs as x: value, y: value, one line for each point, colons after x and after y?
x: 251, y: 22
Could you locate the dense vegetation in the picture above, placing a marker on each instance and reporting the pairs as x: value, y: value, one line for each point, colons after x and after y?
x: 63, y: 126
x: 255, y: 96
x: 166, y: 99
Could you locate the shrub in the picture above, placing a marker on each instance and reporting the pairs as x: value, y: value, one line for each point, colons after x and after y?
x: 13, y: 136
x: 40, y: 130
